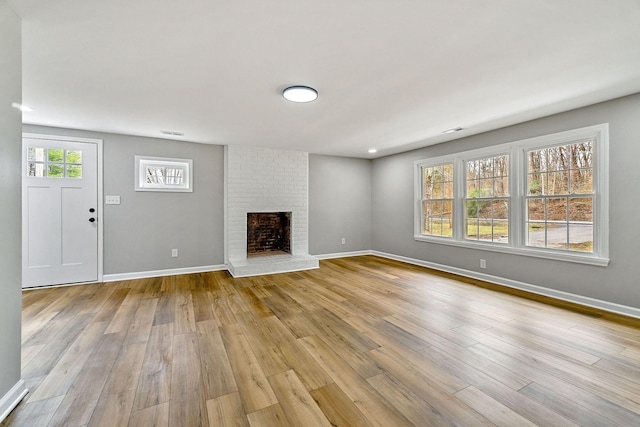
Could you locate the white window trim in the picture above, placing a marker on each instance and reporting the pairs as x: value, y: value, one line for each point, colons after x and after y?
x: 144, y: 162
x: 517, y: 189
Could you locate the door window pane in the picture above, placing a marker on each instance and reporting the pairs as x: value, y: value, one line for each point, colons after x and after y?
x: 54, y: 163
x: 74, y: 171
x: 55, y: 170
x: 55, y: 155
x: 74, y: 157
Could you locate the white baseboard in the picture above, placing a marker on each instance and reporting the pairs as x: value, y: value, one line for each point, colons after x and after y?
x: 157, y: 273
x: 10, y: 400
x: 534, y: 289
x: 343, y: 254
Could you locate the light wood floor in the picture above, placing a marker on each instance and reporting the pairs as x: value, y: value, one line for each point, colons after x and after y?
x: 361, y: 341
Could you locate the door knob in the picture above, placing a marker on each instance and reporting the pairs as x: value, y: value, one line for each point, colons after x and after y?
x: 92, y: 210
x: 92, y: 220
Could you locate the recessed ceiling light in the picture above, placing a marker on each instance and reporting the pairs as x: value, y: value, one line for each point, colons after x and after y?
x: 458, y: 129
x: 372, y: 151
x: 21, y: 107
x: 300, y: 94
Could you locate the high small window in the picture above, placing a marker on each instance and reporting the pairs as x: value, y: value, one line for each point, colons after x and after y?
x: 163, y: 174
x: 437, y: 200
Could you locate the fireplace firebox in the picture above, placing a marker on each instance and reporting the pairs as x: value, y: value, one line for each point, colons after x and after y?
x: 268, y: 233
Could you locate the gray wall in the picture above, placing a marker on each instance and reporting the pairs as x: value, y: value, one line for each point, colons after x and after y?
x: 10, y: 198
x: 392, y: 206
x: 339, y: 204
x: 140, y: 232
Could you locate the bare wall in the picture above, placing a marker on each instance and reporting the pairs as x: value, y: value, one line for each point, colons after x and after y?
x: 339, y: 204
x: 140, y: 232
x: 392, y: 208
x: 10, y: 200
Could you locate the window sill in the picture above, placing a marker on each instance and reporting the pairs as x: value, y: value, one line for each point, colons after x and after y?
x: 589, y: 259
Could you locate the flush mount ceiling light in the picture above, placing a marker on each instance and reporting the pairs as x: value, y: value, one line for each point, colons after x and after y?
x: 372, y: 151
x: 300, y: 94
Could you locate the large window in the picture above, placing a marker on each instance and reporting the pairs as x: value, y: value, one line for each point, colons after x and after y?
x: 487, y: 199
x: 545, y: 197
x: 560, y: 196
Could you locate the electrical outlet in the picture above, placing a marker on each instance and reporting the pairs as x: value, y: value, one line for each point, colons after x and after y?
x: 174, y: 253
x: 483, y: 263
x: 344, y: 240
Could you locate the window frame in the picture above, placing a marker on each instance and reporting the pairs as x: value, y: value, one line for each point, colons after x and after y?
x: 145, y: 163
x: 518, y: 195
x: 421, y: 191
x: 464, y: 195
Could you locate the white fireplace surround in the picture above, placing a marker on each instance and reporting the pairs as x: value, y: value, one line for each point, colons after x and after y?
x: 266, y: 180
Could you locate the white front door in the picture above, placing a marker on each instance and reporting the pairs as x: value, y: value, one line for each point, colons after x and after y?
x: 59, y: 212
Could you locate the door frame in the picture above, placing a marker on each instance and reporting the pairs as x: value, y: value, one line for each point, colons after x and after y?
x: 100, y: 195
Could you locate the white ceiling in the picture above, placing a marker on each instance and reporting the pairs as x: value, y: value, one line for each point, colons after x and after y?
x: 391, y: 74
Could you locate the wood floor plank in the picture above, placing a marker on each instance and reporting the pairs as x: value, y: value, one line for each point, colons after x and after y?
x: 270, y: 357
x: 619, y: 390
x: 296, y: 356
x: 491, y: 409
x: 154, y: 386
x: 56, y: 346
x: 338, y: 408
x: 216, y: 372
x: 153, y: 416
x: 269, y: 417
x: 115, y: 402
x: 258, y: 309
x: 35, y: 324
x: 416, y: 369
x: 123, y: 318
x: 408, y: 403
x: 298, y: 405
x: 361, y: 341
x: 36, y: 413
x: 185, y: 319
x: 223, y: 312
x: 140, y: 326
x: 80, y: 401
x: 370, y: 403
x: 29, y: 352
x: 252, y: 383
x: 495, y: 381
x: 188, y: 405
x: 227, y: 411
x: 165, y: 311
x: 566, y: 405
x: 64, y: 373
x: 202, y: 300
x: 111, y: 305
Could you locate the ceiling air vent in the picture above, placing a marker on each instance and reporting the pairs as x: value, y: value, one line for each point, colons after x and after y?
x: 172, y: 133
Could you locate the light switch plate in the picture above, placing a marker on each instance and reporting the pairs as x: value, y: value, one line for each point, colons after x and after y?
x: 111, y: 200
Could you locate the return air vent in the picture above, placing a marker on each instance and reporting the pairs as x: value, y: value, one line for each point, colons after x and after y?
x: 172, y: 133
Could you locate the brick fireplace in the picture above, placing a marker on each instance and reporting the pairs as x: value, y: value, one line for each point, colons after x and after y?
x: 268, y: 233
x: 266, y: 181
